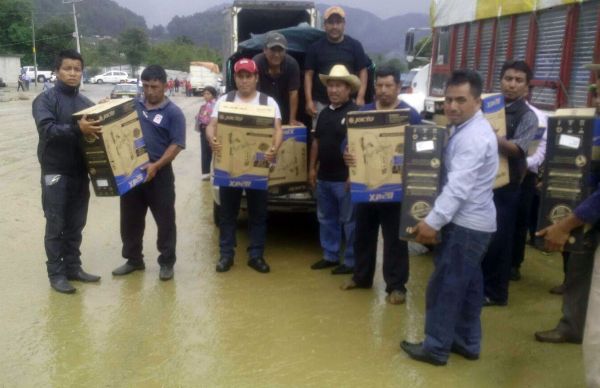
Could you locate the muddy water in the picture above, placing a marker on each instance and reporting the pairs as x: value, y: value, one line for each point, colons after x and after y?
x: 292, y: 327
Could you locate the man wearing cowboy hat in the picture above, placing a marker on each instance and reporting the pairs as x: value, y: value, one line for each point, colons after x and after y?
x: 321, y: 56
x: 329, y: 174
x: 588, y: 212
x: 279, y: 76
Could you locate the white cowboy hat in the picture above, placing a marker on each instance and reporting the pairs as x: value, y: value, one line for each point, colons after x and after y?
x: 340, y: 72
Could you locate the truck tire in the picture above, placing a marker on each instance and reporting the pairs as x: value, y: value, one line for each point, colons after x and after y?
x: 216, y: 214
x: 41, y: 79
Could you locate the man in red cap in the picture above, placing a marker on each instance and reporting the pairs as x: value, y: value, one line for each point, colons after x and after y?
x: 246, y: 80
x: 335, y: 48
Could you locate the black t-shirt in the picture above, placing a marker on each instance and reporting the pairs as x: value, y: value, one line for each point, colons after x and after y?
x: 280, y: 87
x: 322, y: 55
x: 331, y: 131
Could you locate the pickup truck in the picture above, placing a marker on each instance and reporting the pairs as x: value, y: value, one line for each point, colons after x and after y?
x: 42, y: 75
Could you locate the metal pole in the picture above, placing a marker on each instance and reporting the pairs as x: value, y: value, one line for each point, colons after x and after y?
x: 76, y: 29
x: 33, y: 48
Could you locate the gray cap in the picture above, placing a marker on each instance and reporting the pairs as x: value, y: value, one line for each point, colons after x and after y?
x: 275, y: 39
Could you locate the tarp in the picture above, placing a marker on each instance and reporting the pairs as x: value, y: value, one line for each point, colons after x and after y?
x: 299, y: 38
x: 449, y: 12
x: 209, y: 65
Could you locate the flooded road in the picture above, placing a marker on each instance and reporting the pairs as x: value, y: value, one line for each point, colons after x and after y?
x: 292, y: 327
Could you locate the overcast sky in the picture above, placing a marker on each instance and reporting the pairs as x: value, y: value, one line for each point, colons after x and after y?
x: 161, y: 12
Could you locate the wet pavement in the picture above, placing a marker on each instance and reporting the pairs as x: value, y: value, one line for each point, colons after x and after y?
x: 292, y: 327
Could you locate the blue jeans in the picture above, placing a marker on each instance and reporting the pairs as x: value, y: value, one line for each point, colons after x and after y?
x: 257, y: 220
x: 335, y: 212
x: 455, y: 292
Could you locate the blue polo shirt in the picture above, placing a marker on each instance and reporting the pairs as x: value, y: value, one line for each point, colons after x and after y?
x: 162, y: 126
x: 413, y: 116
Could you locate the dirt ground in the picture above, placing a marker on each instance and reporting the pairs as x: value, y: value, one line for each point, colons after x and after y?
x: 292, y: 327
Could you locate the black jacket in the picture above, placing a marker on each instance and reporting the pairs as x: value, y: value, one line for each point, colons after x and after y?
x: 59, y: 148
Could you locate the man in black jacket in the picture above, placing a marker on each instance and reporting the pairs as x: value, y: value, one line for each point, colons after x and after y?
x: 65, y: 184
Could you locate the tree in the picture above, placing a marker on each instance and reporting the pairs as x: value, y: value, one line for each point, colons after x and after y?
x: 54, y: 36
x: 15, y: 28
x: 134, y: 44
x: 177, y: 56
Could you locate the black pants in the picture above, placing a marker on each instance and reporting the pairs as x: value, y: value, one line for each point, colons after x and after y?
x: 524, y: 209
x: 159, y: 196
x: 578, y: 278
x: 498, y: 259
x: 231, y: 198
x: 395, y: 251
x: 65, y: 202
x: 205, y: 151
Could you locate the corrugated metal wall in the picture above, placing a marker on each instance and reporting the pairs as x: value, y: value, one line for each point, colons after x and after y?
x: 487, y: 32
x: 521, y: 36
x: 460, y: 40
x: 502, y: 33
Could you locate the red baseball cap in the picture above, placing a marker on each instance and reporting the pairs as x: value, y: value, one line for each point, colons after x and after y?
x: 245, y: 64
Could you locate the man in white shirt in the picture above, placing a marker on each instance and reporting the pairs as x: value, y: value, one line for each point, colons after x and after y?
x: 246, y: 79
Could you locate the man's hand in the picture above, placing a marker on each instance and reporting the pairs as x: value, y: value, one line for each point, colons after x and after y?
x: 151, y: 170
x: 555, y: 237
x: 311, y: 110
x: 360, y: 101
x: 312, y: 178
x: 215, y: 146
x: 89, y: 128
x: 349, y: 159
x: 271, y: 154
x: 296, y: 123
x: 425, y: 234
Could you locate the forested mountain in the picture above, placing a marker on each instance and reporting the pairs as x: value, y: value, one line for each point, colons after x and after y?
x: 95, y: 17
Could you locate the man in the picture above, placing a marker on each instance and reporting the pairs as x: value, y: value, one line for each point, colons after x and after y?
x: 279, y: 76
x: 521, y: 126
x: 163, y: 127
x: 246, y: 81
x: 321, y: 56
x: 588, y: 212
x: 387, y: 214
x: 576, y: 289
x: 331, y: 177
x: 526, y: 208
x: 464, y: 216
x: 65, y: 184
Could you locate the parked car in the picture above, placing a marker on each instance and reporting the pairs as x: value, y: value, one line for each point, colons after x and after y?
x: 42, y: 75
x: 112, y: 77
x: 125, y: 90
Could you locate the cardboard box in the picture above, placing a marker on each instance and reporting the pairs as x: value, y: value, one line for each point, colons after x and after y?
x: 422, y: 173
x: 572, y: 167
x: 246, y: 133
x: 289, y: 173
x: 376, y: 139
x: 115, y: 159
x: 492, y: 106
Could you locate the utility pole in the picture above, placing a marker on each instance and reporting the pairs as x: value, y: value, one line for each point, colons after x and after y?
x: 33, y: 48
x: 76, y: 33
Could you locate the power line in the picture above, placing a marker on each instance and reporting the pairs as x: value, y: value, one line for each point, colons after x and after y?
x: 37, y: 40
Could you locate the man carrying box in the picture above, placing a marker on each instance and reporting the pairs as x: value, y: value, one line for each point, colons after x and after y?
x: 387, y: 214
x: 163, y: 127
x: 246, y: 80
x: 465, y: 216
x: 65, y: 184
x: 329, y: 175
x: 521, y: 127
